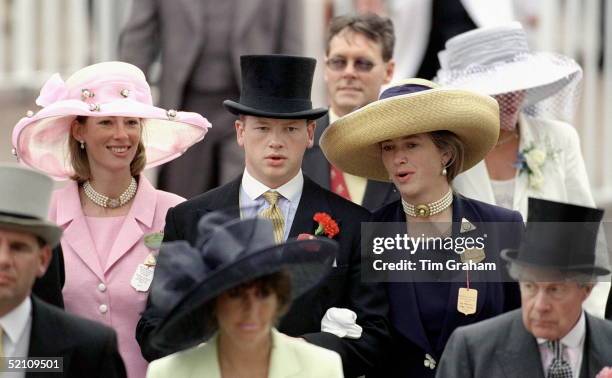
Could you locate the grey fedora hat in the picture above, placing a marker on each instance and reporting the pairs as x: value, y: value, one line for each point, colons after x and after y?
x: 24, y: 202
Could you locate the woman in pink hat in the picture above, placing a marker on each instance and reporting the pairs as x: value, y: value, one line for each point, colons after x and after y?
x: 100, y: 129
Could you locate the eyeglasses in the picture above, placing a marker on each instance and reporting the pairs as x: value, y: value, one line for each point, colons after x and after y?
x: 556, y: 291
x: 360, y: 64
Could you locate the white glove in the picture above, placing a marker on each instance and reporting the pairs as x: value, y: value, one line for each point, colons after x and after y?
x: 342, y: 322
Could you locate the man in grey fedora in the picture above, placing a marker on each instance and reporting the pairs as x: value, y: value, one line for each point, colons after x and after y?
x: 551, y: 335
x: 29, y: 327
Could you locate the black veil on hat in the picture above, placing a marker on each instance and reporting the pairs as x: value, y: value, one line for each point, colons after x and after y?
x: 276, y: 86
x: 559, y: 236
x: 228, y: 252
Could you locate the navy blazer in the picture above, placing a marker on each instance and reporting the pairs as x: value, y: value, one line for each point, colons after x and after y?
x: 410, y: 339
x: 341, y: 288
x: 316, y: 166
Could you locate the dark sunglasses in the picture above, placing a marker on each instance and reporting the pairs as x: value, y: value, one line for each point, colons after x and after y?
x: 360, y: 64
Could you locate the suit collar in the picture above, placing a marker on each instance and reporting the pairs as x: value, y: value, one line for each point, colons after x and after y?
x: 311, y: 202
x: 283, y: 360
x: 322, y: 124
x: 519, y: 356
x: 47, y: 337
x: 77, y: 235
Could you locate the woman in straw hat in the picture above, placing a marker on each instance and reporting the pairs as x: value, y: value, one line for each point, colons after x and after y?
x: 420, y: 137
x: 100, y: 129
x: 537, y: 154
x: 231, y: 299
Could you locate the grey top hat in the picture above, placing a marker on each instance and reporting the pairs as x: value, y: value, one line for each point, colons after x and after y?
x: 24, y: 202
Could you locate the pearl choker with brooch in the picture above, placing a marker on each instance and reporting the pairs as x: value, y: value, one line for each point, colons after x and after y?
x: 427, y: 210
x: 104, y: 201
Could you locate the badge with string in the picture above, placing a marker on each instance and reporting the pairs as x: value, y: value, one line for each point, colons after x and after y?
x: 143, y: 276
x: 467, y: 299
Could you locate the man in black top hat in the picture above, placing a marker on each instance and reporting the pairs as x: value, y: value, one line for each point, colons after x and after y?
x: 276, y: 126
x: 551, y: 335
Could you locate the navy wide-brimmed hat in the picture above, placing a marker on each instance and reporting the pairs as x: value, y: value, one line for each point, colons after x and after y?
x: 560, y: 237
x: 228, y: 252
x: 276, y: 86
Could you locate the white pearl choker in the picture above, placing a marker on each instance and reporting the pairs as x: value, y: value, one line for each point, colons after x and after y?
x: 104, y: 201
x: 427, y: 210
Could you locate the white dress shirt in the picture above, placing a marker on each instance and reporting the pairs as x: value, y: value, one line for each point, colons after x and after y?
x: 573, y: 344
x: 252, y: 201
x: 17, y: 326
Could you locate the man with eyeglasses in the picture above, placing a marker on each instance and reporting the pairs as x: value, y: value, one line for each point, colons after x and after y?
x: 551, y: 335
x: 358, y: 63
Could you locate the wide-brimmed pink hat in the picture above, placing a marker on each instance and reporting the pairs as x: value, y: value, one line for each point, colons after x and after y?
x: 105, y: 89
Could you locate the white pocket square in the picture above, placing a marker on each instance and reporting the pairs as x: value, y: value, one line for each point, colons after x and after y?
x: 342, y: 322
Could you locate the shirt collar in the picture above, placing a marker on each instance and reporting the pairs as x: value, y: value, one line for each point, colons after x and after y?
x: 14, y: 322
x: 291, y: 190
x: 333, y: 117
x: 575, y: 336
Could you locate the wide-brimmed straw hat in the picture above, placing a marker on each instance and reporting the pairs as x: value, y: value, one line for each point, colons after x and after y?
x: 560, y: 237
x: 409, y: 107
x: 40, y: 140
x: 24, y: 203
x: 276, y: 86
x: 228, y: 252
x: 496, y: 59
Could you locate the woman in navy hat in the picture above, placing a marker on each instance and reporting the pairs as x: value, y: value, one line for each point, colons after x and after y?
x: 420, y: 136
x: 229, y: 290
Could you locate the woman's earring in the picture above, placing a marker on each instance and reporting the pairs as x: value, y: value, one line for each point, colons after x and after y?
x: 82, y: 145
x: 444, y: 172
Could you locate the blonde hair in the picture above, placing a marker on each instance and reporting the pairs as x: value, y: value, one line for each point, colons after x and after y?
x: 80, y: 161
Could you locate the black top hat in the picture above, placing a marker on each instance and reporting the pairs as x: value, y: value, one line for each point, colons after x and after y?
x: 276, y: 86
x: 228, y: 252
x: 559, y: 237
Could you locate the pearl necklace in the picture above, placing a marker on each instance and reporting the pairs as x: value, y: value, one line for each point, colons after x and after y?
x: 427, y: 210
x: 104, y: 201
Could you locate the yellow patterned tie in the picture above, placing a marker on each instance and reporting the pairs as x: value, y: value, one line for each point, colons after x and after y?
x: 274, y: 214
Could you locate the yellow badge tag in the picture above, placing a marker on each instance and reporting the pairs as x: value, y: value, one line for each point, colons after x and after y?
x: 467, y: 300
x: 475, y: 255
x: 150, y: 260
x: 154, y: 240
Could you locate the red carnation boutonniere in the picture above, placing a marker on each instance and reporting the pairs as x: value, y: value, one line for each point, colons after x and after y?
x: 327, y: 226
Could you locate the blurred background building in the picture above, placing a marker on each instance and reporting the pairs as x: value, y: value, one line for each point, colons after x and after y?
x: 41, y: 37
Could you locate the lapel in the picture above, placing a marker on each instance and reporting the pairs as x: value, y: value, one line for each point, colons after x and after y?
x: 519, y: 355
x: 140, y: 217
x: 205, y: 363
x: 283, y: 361
x: 596, y: 346
x: 453, y: 319
x: 313, y: 201
x: 76, y: 231
x: 195, y: 14
x: 226, y: 198
x: 47, y: 336
x: 244, y: 15
x: 476, y: 180
x: 521, y: 183
x: 376, y: 194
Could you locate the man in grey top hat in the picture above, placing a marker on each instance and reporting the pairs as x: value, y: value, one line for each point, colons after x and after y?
x: 28, y: 326
x: 551, y: 335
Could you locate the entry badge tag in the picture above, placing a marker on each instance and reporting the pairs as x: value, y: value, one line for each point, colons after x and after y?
x: 467, y: 300
x: 142, y: 278
x: 475, y: 255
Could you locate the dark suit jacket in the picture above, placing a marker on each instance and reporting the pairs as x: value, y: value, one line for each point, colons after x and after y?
x: 609, y: 306
x: 341, y: 288
x: 501, y: 347
x: 316, y: 166
x: 49, y: 286
x: 496, y: 294
x: 89, y: 349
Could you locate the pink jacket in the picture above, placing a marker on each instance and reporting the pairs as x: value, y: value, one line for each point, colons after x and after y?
x: 106, y: 295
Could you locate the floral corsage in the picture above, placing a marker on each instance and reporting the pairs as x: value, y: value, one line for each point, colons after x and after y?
x: 327, y: 226
x: 530, y: 161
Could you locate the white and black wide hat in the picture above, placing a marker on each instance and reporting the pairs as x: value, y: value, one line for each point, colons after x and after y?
x: 24, y: 203
x: 496, y: 60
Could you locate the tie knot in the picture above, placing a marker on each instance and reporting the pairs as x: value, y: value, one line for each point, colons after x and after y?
x: 271, y: 197
x: 556, y: 347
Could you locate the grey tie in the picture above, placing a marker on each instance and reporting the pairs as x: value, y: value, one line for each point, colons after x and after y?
x: 558, y: 368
